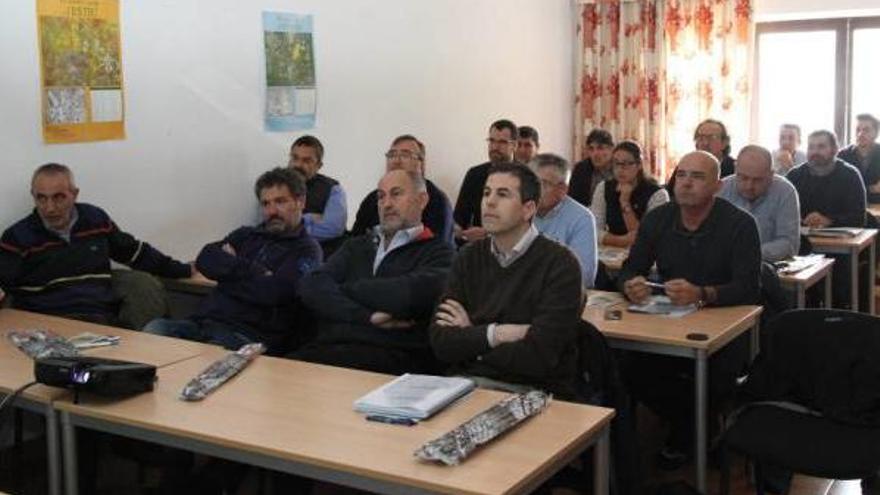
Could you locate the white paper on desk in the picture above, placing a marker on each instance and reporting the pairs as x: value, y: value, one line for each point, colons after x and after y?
x: 414, y: 396
x: 838, y: 232
x: 604, y: 299
x: 661, y: 305
x: 799, y: 263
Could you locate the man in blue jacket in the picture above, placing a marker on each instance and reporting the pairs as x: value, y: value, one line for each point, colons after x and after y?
x: 257, y: 270
x: 374, y: 297
x: 57, y: 259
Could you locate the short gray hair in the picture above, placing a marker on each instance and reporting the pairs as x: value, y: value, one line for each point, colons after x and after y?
x: 561, y: 165
x: 54, y: 169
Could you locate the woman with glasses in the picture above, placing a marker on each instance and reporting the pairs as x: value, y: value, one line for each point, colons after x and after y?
x: 620, y: 203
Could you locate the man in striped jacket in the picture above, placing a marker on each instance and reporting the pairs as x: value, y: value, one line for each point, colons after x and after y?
x: 57, y: 259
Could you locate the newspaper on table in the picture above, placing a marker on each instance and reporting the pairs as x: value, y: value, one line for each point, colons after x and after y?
x: 662, y: 305
x: 413, y: 396
x: 39, y: 343
x: 797, y: 263
x: 220, y: 371
x: 455, y: 446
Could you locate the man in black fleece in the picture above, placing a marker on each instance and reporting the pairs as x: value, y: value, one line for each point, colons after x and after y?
x: 708, y: 253
x: 510, y: 313
x: 374, y: 297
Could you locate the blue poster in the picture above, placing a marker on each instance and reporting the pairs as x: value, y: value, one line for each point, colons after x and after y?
x: 291, y: 92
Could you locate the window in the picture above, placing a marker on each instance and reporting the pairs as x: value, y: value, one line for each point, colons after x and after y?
x: 818, y: 74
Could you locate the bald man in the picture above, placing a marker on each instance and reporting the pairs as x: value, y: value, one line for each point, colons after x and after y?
x: 707, y: 253
x: 770, y: 198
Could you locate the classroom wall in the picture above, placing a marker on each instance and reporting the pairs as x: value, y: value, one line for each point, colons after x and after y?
x: 781, y: 10
x: 194, y: 82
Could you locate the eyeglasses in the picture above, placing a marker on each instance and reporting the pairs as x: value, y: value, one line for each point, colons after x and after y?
x: 706, y: 137
x: 626, y: 164
x: 499, y: 142
x: 406, y: 154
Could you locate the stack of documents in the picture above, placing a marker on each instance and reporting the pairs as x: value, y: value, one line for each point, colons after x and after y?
x: 661, y: 305
x: 413, y: 396
x: 842, y: 232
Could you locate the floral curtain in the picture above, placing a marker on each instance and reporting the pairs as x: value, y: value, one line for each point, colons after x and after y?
x: 650, y: 70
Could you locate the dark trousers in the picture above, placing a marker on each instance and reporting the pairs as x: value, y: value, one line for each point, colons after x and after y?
x: 368, y: 358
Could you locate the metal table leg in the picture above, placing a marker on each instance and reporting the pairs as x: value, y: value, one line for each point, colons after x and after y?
x: 601, y: 462
x: 801, y: 296
x: 872, y: 277
x: 701, y: 406
x: 68, y: 435
x: 828, y: 285
x: 854, y: 278
x: 53, y: 451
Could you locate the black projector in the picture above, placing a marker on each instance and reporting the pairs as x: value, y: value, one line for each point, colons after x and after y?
x: 105, y: 377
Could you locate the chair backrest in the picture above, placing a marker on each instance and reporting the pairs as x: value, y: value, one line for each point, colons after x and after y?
x: 826, y: 360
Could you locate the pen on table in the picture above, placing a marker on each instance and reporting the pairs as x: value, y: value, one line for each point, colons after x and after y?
x: 391, y: 420
x: 654, y: 285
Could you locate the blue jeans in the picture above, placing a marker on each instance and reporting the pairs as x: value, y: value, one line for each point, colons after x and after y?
x: 209, y: 331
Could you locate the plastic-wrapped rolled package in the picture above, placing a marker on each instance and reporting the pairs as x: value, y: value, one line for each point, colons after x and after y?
x: 453, y: 447
x: 41, y: 344
x: 220, y: 371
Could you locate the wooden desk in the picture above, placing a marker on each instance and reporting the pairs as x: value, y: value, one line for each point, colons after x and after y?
x: 852, y: 246
x: 17, y: 369
x: 298, y: 417
x: 800, y: 281
x: 669, y: 336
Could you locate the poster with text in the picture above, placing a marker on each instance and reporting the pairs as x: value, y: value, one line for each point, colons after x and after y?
x: 81, y: 70
x: 291, y: 94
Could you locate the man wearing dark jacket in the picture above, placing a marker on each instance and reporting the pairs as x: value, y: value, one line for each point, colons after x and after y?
x: 257, y: 270
x: 57, y: 259
x: 374, y: 297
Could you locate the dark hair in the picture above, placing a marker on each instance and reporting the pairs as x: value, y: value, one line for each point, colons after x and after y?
x: 279, y: 176
x: 724, y: 136
x: 53, y: 169
x: 867, y: 117
x: 832, y: 138
x: 528, y: 132
x: 600, y: 136
x: 311, y: 142
x: 529, y: 185
x: 634, y: 149
x: 505, y: 124
x: 410, y: 137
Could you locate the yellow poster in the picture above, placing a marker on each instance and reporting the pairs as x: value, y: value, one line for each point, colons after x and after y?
x: 81, y: 70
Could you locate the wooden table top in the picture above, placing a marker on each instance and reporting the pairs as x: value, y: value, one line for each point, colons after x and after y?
x: 719, y: 324
x: 17, y: 369
x: 304, y: 412
x: 862, y: 240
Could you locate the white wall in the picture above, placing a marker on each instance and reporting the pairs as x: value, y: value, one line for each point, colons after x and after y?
x: 194, y: 84
x: 781, y: 10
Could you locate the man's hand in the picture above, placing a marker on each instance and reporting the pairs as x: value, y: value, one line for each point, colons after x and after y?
x: 473, y: 234
x: 451, y: 313
x: 636, y: 290
x: 385, y: 320
x: 784, y: 158
x: 816, y: 220
x: 682, y: 292
x: 508, y: 333
x: 228, y: 249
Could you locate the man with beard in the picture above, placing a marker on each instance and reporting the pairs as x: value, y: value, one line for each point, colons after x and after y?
x: 711, y: 136
x: 864, y: 154
x: 374, y: 297
x: 257, y: 270
x: 528, y: 144
x: 502, y: 143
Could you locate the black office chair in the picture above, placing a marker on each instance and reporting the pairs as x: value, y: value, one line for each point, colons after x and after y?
x: 812, y: 399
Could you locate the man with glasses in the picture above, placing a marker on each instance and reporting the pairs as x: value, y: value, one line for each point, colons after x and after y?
x: 711, y: 136
x: 408, y: 153
x: 563, y: 219
x: 593, y: 169
x: 57, y: 259
x: 707, y: 253
x: 502, y: 143
x: 326, y: 213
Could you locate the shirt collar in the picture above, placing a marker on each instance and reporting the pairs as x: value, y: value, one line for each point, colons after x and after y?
x: 521, y: 246
x: 556, y: 209
x: 65, y: 233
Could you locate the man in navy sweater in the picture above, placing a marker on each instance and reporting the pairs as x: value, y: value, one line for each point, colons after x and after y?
x: 374, y: 297
x: 57, y: 259
x: 257, y: 270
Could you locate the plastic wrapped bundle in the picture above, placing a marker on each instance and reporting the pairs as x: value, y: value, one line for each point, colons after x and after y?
x: 220, y: 371
x: 458, y: 444
x: 41, y: 343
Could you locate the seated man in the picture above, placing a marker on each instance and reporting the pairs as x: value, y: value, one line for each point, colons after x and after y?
x: 831, y: 191
x: 408, y: 153
x: 594, y: 169
x: 257, y: 270
x: 374, y: 297
x: 770, y: 198
x: 864, y: 154
x: 326, y: 214
x: 563, y: 219
x: 788, y: 155
x: 57, y: 259
x: 510, y: 312
x: 707, y: 252
x: 528, y: 144
x: 711, y: 136
x: 502, y: 144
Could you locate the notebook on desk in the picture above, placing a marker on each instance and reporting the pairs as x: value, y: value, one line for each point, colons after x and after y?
x: 841, y: 232
x: 413, y: 396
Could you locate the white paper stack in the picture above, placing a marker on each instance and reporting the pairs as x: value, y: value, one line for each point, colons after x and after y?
x: 413, y: 396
